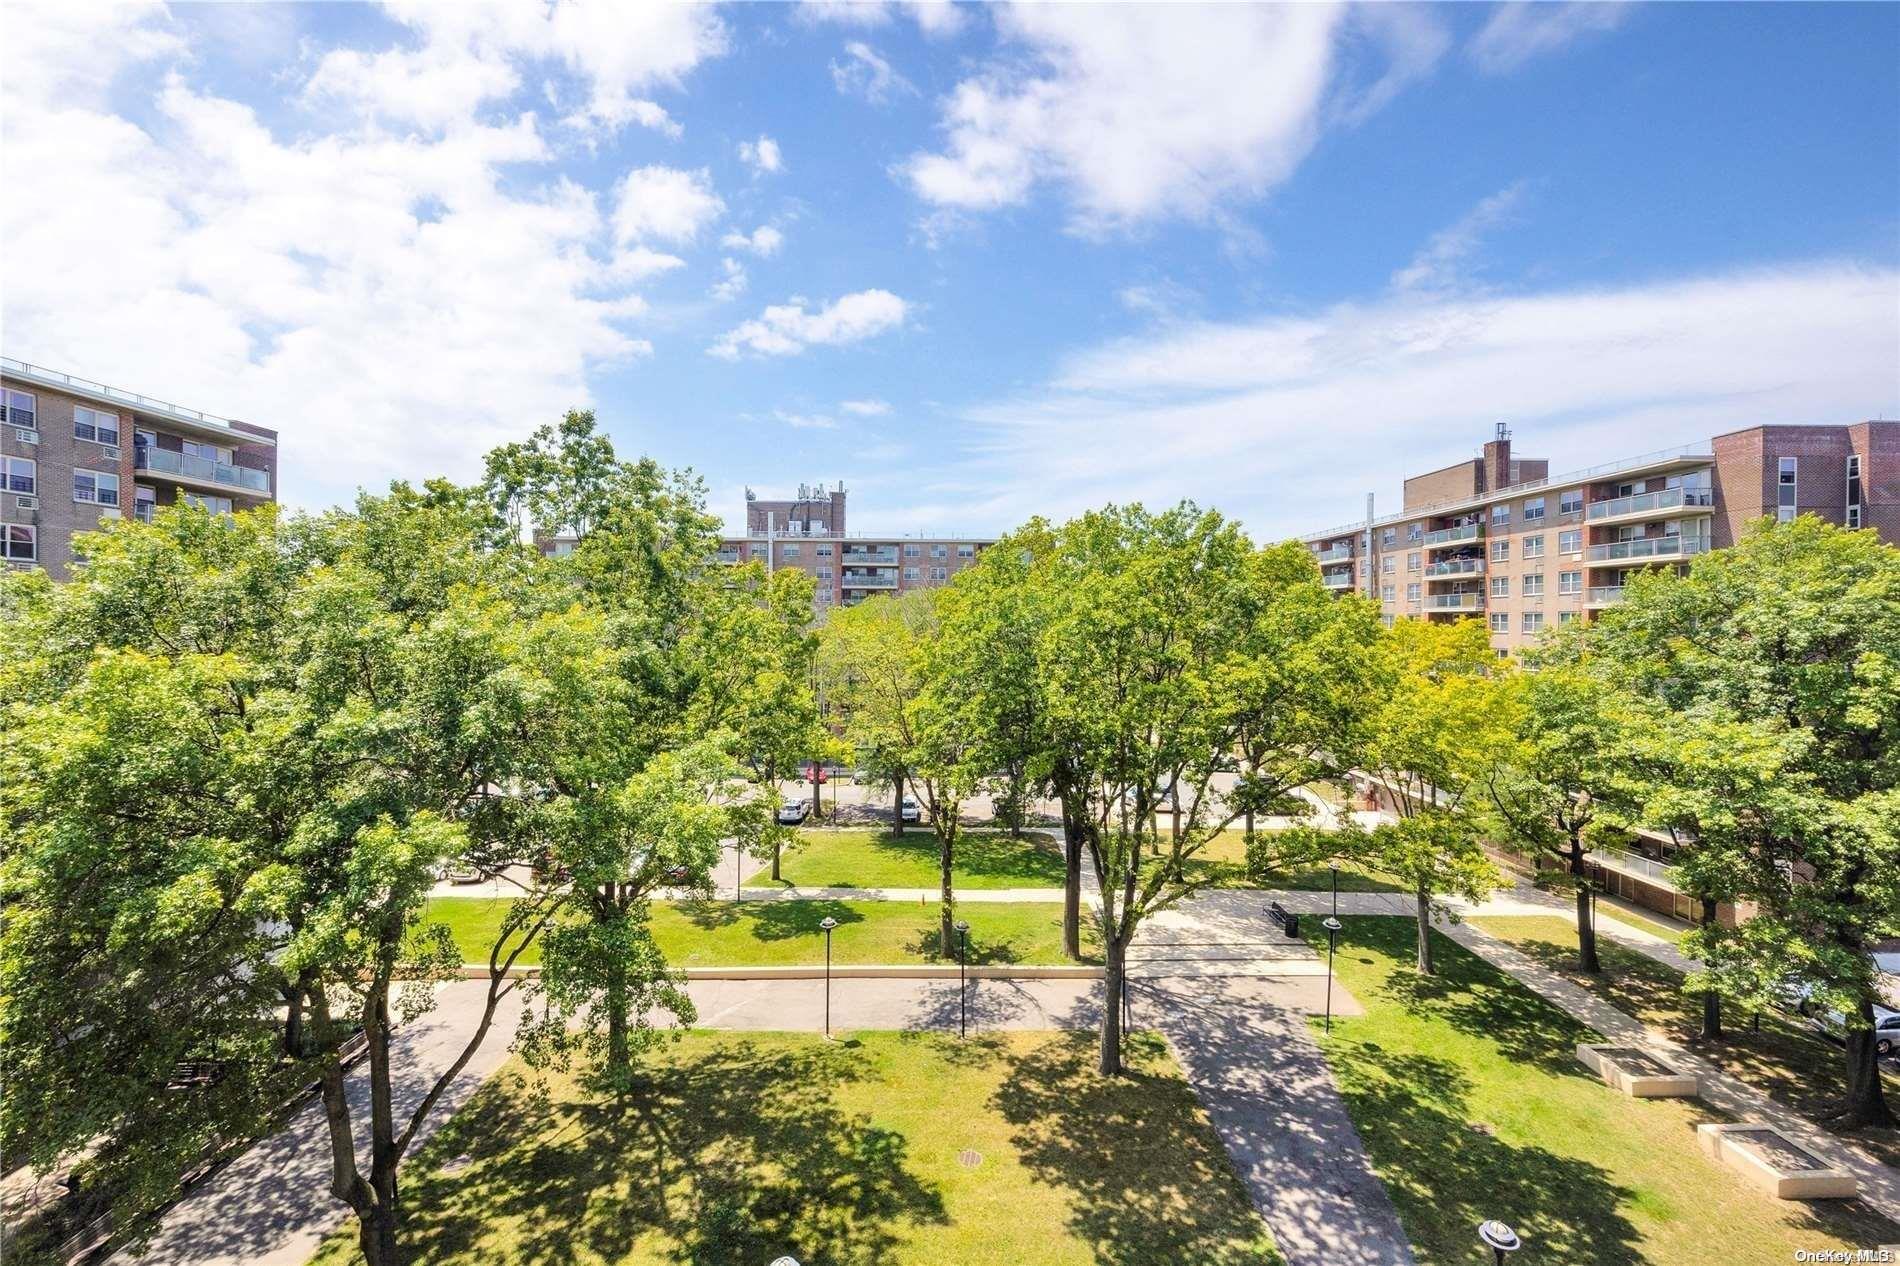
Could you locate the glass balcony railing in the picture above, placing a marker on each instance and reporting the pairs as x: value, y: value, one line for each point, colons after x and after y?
x: 1455, y: 602
x: 1646, y: 502
x: 1337, y: 580
x: 868, y: 579
x: 1452, y: 535
x: 1335, y: 554
x: 165, y: 462
x: 1456, y: 567
x: 876, y: 557
x: 1621, y: 859
x: 1649, y: 547
x: 1605, y: 595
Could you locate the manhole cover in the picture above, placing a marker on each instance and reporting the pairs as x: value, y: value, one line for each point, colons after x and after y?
x: 969, y: 1159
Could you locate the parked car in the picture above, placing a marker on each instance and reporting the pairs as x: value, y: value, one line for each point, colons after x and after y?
x: 1833, y: 1024
x: 910, y: 812
x: 460, y: 874
x: 792, y: 812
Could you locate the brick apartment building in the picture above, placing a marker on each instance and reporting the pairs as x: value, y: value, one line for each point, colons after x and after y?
x: 1498, y: 538
x: 75, y: 452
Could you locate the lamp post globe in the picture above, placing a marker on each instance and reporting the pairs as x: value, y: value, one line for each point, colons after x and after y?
x: 963, y: 984
x: 1499, y: 1238
x: 784, y: 1261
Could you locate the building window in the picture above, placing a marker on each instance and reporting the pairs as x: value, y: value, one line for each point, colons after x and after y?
x: 1570, y: 542
x: 21, y: 474
x: 1386, y: 593
x: 21, y: 411
x: 939, y: 573
x: 1785, y: 492
x: 1533, y: 509
x: 824, y: 573
x: 758, y: 551
x: 91, y: 424
x: 910, y: 573
x: 966, y: 551
x: 1853, y: 490
x: 1391, y: 564
x: 22, y: 543
x: 1411, y: 592
x: 222, y: 505
x: 1500, y: 622
x: 1500, y: 551
x: 1500, y: 586
x: 145, y: 505
x: 940, y: 551
x: 1413, y: 561
x: 1569, y: 582
x: 1534, y: 546
x: 1534, y: 585
x: 1533, y: 621
x: 789, y: 552
x: 912, y: 551
x: 96, y: 486
x: 816, y: 526
x: 1565, y: 617
x: 1570, y: 502
x: 1389, y: 537
x: 824, y: 551
x: 1500, y: 515
x: 1416, y: 532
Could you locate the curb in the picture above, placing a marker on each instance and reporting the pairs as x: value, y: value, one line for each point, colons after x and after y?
x: 895, y: 971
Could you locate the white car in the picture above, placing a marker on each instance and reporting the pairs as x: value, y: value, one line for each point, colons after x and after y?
x: 910, y: 812
x: 792, y: 812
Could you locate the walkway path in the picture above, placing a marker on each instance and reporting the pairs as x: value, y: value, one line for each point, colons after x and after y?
x: 1879, y: 1185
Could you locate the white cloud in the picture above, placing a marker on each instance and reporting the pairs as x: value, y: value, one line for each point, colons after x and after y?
x: 641, y: 263
x: 1440, y: 265
x: 732, y: 283
x: 806, y: 421
x: 1412, y: 40
x: 762, y: 155
x: 866, y: 408
x: 1290, y: 420
x: 667, y: 203
x: 763, y: 241
x: 865, y: 74
x: 787, y: 329
x: 933, y: 17
x: 469, y: 54
x: 1517, y: 32
x: 344, y: 287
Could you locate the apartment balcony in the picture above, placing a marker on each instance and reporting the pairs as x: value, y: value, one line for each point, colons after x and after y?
x: 1648, y: 549
x: 1336, y: 579
x: 1603, y: 596
x: 1454, y: 602
x: 869, y: 557
x: 201, y: 471
x: 1647, y: 869
x: 1455, y: 567
x: 728, y: 556
x: 868, y: 579
x: 1453, y: 535
x: 1649, y: 505
x: 1334, y: 554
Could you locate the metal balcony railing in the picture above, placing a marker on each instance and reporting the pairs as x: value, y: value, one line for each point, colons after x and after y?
x: 868, y: 579
x: 1452, y: 535
x: 1649, y: 547
x: 1337, y: 580
x: 1629, y: 863
x: 165, y: 462
x: 1335, y: 554
x: 1455, y: 602
x: 1456, y: 567
x: 1644, y: 502
x: 1605, y: 595
x: 886, y: 558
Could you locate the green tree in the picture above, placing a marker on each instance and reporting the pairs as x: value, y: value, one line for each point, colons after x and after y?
x: 1440, y: 722
x: 1770, y: 677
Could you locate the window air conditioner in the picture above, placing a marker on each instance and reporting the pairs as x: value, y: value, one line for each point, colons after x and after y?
x: 27, y: 503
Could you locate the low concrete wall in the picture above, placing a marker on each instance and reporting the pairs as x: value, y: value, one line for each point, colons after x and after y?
x: 895, y: 971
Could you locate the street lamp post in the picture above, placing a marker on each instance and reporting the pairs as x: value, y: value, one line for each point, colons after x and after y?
x: 1334, y: 867
x: 827, y: 923
x: 1332, y: 926
x: 963, y: 985
x: 1499, y: 1238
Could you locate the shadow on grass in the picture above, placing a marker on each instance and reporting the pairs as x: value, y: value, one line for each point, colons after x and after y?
x: 1148, y: 1182
x: 768, y: 920
x: 741, y: 1155
x: 1032, y: 861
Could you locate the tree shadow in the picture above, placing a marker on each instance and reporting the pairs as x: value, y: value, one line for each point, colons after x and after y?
x: 740, y: 1155
x: 769, y: 920
x: 1147, y: 1180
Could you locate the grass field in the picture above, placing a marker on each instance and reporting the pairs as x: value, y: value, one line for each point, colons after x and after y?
x: 1627, y: 914
x: 909, y: 1149
x: 1786, y: 1060
x: 1467, y: 1092
x: 874, y: 858
x: 1224, y: 859
x: 786, y: 933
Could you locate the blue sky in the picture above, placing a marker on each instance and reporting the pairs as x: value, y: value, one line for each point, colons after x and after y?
x: 978, y: 263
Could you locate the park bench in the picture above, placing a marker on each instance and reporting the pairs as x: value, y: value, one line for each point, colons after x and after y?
x: 1289, y: 922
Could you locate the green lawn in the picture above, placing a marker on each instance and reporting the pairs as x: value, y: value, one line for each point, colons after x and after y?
x: 1467, y: 1092
x: 786, y: 933
x: 1655, y: 927
x: 874, y: 858
x: 1785, y: 1060
x: 909, y: 1149
x: 1224, y: 858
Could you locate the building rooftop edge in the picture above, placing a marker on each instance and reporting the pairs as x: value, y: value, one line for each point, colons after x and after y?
x: 99, y: 392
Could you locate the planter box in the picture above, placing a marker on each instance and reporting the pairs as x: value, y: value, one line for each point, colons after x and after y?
x: 1776, y: 1163
x: 1641, y: 1072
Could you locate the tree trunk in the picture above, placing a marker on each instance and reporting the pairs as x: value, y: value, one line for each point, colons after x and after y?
x: 775, y: 851
x: 897, y: 804
x: 1711, y: 1001
x: 1174, y: 802
x: 1424, y: 931
x: 376, y: 1236
x: 946, y: 856
x: 817, y: 799
x: 1866, y: 1098
x: 293, y: 1021
x: 619, y: 1058
x: 1586, y: 907
x: 1113, y: 982
x: 1071, y: 886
